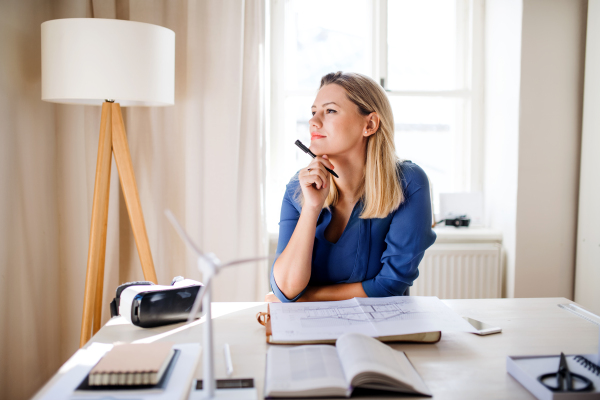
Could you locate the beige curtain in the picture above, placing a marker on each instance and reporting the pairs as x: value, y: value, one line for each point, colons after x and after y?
x: 203, y: 158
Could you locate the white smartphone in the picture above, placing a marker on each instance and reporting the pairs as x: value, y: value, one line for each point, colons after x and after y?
x: 482, y: 327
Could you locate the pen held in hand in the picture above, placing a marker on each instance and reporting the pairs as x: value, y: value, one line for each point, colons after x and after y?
x: 310, y: 153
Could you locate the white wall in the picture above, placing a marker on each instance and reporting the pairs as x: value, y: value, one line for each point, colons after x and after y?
x: 502, y: 78
x: 534, y: 87
x: 587, y: 276
x: 551, y: 104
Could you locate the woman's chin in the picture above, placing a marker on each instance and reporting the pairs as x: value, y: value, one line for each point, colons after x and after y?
x: 318, y: 148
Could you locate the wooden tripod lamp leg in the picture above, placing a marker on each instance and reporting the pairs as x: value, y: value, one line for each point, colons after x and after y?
x: 98, y: 225
x: 130, y: 192
x: 97, y: 320
x: 112, y: 139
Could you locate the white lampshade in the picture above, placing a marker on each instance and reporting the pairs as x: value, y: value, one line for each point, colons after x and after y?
x: 90, y: 60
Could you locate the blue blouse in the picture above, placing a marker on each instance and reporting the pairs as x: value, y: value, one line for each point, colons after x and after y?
x: 382, y: 253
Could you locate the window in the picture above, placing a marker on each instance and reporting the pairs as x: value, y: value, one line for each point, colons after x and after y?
x: 425, y: 53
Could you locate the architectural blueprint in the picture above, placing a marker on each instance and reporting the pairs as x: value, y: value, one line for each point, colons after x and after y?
x: 375, y: 317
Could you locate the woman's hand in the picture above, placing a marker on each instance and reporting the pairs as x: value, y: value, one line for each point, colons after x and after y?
x: 314, y: 181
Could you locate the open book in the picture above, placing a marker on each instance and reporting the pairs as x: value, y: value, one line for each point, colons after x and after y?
x: 356, y: 361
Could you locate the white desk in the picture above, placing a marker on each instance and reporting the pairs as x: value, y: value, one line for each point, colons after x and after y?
x: 460, y: 366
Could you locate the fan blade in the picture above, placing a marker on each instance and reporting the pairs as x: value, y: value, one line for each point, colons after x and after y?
x: 182, y: 233
x: 243, y: 260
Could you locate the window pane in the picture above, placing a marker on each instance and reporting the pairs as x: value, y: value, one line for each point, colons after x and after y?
x: 323, y: 36
x: 422, y: 45
x: 427, y: 132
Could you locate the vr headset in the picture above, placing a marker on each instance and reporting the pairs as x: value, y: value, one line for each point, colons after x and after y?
x: 146, y: 305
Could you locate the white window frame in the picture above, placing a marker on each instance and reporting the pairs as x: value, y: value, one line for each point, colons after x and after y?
x: 470, y: 147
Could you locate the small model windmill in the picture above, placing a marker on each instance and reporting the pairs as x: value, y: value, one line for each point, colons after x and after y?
x: 209, y: 265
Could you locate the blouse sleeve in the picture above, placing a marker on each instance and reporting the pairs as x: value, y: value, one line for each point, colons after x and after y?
x: 410, y: 234
x: 287, y: 224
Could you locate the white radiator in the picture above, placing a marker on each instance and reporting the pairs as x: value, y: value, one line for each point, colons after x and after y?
x: 460, y: 271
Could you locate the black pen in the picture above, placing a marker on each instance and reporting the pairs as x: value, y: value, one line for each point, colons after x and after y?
x: 310, y: 153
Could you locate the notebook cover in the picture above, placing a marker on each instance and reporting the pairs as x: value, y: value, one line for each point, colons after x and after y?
x: 133, y: 358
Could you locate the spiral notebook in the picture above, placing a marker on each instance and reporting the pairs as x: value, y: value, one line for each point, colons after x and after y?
x: 526, y: 369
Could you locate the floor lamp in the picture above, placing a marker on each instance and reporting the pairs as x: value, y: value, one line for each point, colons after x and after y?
x: 112, y: 63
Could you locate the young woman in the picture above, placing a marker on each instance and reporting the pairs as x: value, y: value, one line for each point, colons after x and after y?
x: 364, y: 233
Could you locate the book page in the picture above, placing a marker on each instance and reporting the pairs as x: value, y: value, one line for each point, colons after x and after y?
x: 358, y: 353
x: 318, y: 320
x: 304, y: 369
x: 375, y: 317
x: 363, y: 355
x: 411, y: 314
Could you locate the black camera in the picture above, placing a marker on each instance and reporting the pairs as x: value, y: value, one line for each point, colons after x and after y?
x: 457, y: 222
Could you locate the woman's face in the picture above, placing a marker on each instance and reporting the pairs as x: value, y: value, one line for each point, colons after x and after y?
x: 336, y: 126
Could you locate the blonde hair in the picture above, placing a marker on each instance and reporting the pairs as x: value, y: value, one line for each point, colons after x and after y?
x: 381, y: 189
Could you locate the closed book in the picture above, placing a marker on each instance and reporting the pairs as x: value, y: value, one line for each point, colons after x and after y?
x: 140, y: 364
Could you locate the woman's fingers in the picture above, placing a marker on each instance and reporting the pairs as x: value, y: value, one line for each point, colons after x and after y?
x: 316, y: 173
x: 313, y: 179
x: 327, y: 163
x: 314, y: 176
x: 317, y: 169
x: 322, y: 162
